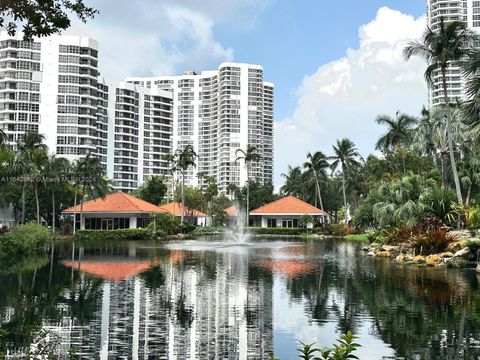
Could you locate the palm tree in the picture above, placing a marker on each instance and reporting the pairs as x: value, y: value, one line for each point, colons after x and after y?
x: 317, y: 163
x: 249, y: 156
x: 183, y: 159
x: 346, y: 155
x: 399, y: 133
x: 3, y: 139
x: 30, y: 148
x: 90, y: 176
x: 293, y: 181
x: 231, y: 188
x: 55, y: 169
x: 451, y: 43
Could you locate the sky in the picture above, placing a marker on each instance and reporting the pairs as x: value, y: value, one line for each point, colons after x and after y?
x: 336, y: 65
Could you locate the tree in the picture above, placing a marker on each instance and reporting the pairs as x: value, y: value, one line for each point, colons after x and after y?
x: 399, y: 133
x: 451, y: 43
x: 31, y: 153
x: 249, y: 156
x: 153, y: 190
x: 41, y: 18
x: 90, y: 176
x: 55, y: 170
x: 183, y: 160
x: 293, y: 181
x: 317, y: 164
x: 346, y: 155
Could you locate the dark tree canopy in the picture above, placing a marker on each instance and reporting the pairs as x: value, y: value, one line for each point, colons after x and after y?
x: 41, y: 17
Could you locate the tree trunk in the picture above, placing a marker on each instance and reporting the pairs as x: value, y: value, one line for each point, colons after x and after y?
x: 75, y: 211
x: 183, y: 198
x: 443, y: 162
x: 319, y: 193
x: 453, y: 162
x: 344, y: 195
x: 37, y: 204
x: 469, y: 194
x: 23, y: 203
x: 53, y: 211
x: 81, y: 206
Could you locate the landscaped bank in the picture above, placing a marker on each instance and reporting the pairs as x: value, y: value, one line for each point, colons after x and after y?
x: 460, y: 251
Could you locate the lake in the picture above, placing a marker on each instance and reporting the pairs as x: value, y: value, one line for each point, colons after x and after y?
x: 215, y: 299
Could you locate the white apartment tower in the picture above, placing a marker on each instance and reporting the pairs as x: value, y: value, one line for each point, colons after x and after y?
x: 467, y: 11
x: 218, y: 112
x: 50, y: 86
x: 139, y: 133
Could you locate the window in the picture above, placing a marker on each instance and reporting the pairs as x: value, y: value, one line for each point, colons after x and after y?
x: 293, y: 223
x: 271, y: 223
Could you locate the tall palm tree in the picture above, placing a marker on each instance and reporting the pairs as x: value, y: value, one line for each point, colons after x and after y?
x: 451, y: 43
x: 31, y: 150
x: 90, y: 175
x: 293, y: 181
x: 3, y: 139
x: 399, y: 133
x: 317, y: 163
x: 55, y: 169
x: 248, y: 156
x: 183, y: 160
x: 346, y: 156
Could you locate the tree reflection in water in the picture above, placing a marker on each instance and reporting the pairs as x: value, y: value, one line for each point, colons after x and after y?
x: 221, y: 301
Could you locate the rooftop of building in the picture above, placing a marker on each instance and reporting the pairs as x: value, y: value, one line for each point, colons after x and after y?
x: 289, y: 205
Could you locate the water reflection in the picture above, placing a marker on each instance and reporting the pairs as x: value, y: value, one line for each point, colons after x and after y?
x: 216, y: 300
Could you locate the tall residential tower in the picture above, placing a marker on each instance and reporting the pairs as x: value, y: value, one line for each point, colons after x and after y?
x: 218, y: 112
x: 467, y: 11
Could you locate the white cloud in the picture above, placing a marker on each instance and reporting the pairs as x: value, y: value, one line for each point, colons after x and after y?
x: 154, y: 37
x: 343, y: 97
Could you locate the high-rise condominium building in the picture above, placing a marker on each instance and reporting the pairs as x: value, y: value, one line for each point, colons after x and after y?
x: 138, y: 135
x: 50, y: 86
x: 219, y: 112
x: 467, y: 11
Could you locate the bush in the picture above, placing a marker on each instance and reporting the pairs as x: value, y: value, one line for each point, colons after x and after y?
x: 473, y: 218
x: 344, y: 349
x: 187, y: 228
x: 339, y: 229
x: 432, y: 241
x: 114, y: 235
x: 24, y: 240
x: 281, y: 231
x: 166, y: 224
x: 209, y: 230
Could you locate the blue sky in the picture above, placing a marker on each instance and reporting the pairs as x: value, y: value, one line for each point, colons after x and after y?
x: 335, y: 64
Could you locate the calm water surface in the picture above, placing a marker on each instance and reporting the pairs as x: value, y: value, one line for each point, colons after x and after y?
x: 213, y: 299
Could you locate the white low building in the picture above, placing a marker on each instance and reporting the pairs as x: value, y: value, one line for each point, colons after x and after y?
x: 287, y: 212
x: 115, y: 211
x: 7, y: 217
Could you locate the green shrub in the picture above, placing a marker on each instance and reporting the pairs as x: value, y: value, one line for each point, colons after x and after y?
x: 113, y: 235
x: 343, y: 350
x: 209, y: 230
x: 281, y: 231
x: 164, y: 224
x: 473, y: 218
x: 339, y: 229
x: 187, y: 228
x: 432, y: 241
x: 24, y: 240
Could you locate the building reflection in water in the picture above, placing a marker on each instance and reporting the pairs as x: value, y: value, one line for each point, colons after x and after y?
x: 180, y: 305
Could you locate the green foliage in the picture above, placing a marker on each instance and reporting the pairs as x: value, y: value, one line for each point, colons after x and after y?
x: 209, y: 230
x: 23, y: 241
x: 113, y: 235
x: 357, y: 237
x: 194, y: 199
x: 432, y: 241
x: 164, y: 224
x: 41, y: 18
x: 343, y: 350
x: 305, y: 220
x: 281, y: 231
x: 217, y: 210
x: 339, y: 229
x: 260, y: 194
x: 153, y: 190
x: 473, y: 218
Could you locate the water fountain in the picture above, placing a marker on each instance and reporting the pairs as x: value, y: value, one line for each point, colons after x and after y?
x: 237, y: 230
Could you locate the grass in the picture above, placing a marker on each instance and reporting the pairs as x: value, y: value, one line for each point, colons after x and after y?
x: 357, y: 237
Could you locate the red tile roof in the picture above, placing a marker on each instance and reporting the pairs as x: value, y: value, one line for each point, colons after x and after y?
x: 288, y: 268
x: 232, y: 211
x: 118, y: 202
x: 175, y: 208
x: 288, y: 205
